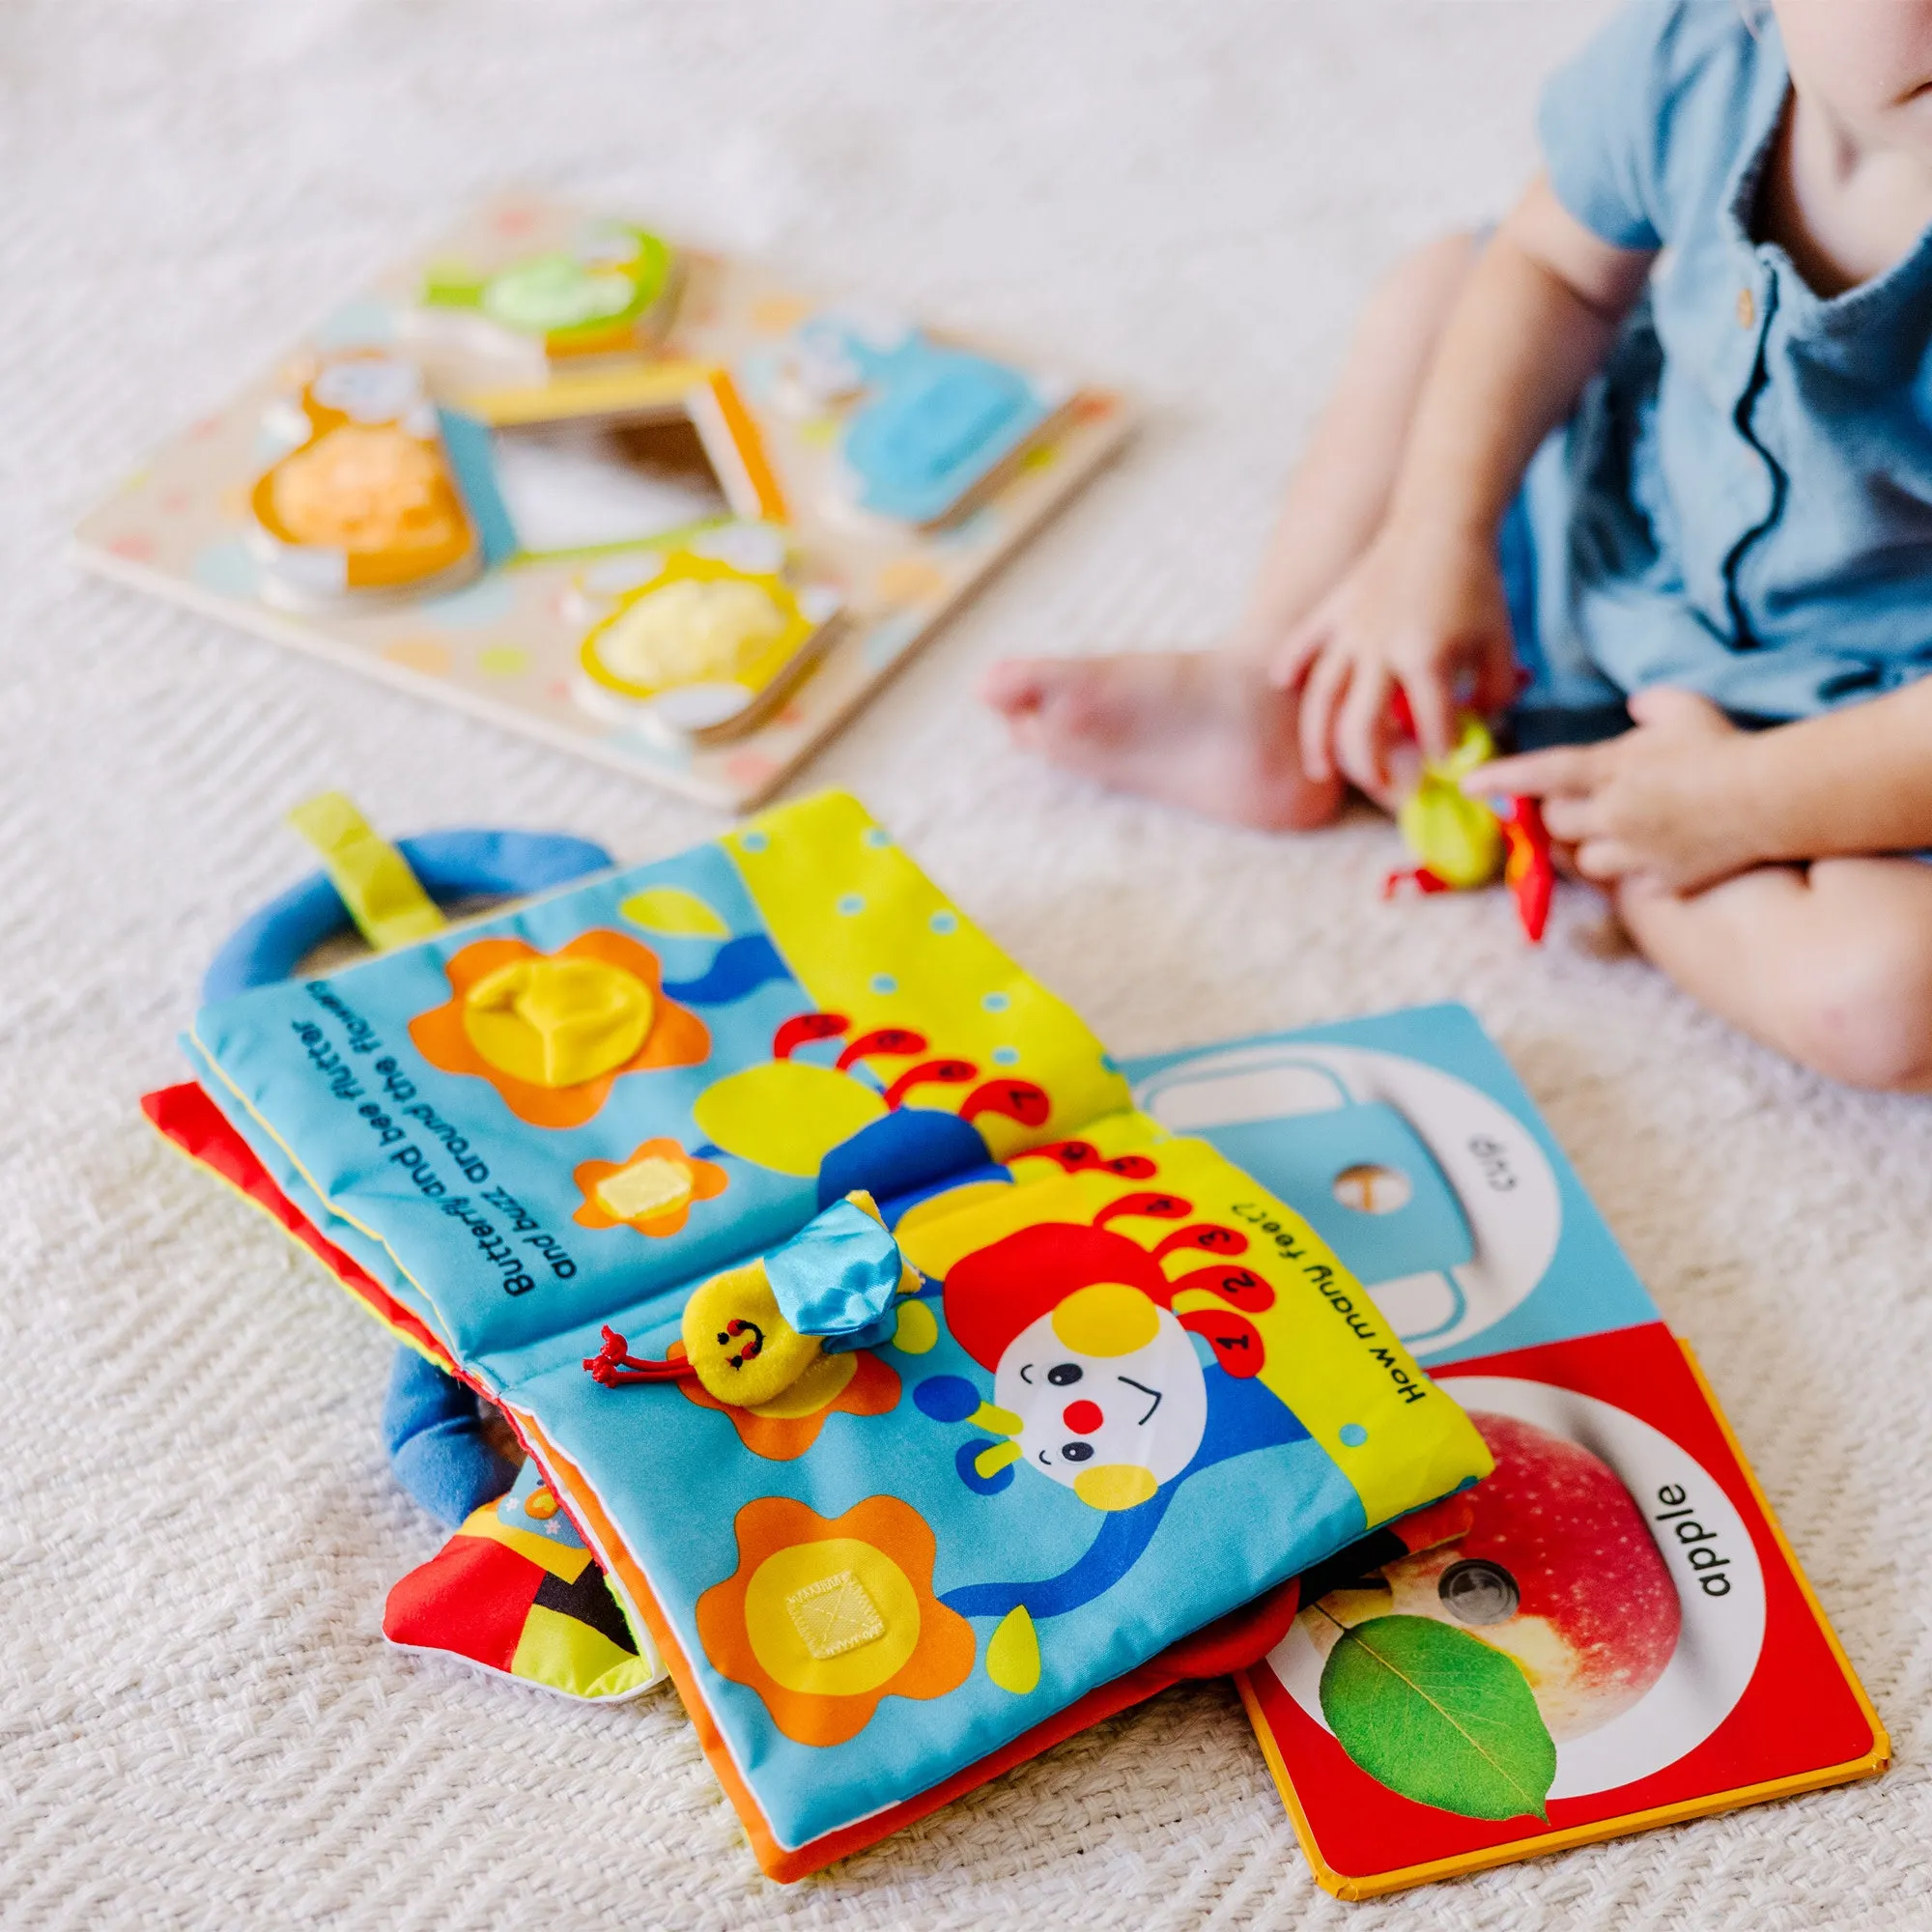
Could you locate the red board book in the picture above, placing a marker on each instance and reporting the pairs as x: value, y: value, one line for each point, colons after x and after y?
x: 1623, y: 1564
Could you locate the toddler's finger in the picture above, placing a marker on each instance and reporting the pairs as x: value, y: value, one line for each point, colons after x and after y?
x: 1428, y: 694
x: 1360, y: 729
x: 1321, y: 693
x: 1013, y: 685
x: 1563, y: 857
x: 1573, y: 819
x: 1605, y: 860
x: 1563, y: 768
x: 1289, y: 664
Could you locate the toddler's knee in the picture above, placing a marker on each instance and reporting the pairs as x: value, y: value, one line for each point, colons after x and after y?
x: 1862, y: 1013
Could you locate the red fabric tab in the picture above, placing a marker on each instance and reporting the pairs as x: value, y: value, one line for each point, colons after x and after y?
x: 470, y: 1597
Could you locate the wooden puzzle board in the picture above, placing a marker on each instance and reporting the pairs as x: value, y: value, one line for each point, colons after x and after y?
x: 505, y: 645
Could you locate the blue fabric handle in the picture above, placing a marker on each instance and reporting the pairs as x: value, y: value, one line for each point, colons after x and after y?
x: 270, y: 943
x: 836, y: 1278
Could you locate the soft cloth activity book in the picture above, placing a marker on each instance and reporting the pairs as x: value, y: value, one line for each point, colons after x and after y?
x: 1608, y: 1632
x: 645, y: 501
x: 510, y: 1592
x: 1099, y: 1388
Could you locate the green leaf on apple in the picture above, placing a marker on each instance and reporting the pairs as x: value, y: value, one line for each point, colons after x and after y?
x: 1440, y: 1717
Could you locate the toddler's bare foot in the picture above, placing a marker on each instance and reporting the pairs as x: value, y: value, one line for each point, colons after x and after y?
x: 1201, y: 729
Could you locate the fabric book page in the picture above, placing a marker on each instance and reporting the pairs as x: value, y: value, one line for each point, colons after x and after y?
x: 547, y: 1117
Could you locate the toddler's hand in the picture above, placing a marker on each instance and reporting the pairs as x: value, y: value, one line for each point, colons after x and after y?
x: 1421, y: 611
x: 1668, y: 802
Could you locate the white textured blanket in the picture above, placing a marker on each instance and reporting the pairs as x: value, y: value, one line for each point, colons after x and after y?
x: 199, y: 1723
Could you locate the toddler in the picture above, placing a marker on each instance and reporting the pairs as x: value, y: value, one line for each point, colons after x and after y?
x: 1649, y: 469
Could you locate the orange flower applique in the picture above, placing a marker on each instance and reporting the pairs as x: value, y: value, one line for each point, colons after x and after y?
x: 651, y: 1189
x: 551, y: 1032
x: 823, y: 1619
x: 783, y: 1429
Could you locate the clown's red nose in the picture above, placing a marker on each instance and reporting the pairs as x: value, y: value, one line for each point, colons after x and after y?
x: 1082, y: 1417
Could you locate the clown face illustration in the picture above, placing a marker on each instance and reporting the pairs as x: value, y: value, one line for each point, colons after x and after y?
x: 1109, y: 1392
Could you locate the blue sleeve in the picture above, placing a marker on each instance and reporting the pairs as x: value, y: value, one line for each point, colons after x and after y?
x: 1609, y: 119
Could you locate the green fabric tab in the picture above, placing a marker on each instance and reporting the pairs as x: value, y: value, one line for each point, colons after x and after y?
x: 384, y: 896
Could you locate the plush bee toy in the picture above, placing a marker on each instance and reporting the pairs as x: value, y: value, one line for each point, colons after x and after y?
x: 1461, y: 843
x: 751, y: 1333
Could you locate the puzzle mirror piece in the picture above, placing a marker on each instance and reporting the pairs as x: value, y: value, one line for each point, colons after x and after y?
x: 592, y: 485
x: 595, y: 461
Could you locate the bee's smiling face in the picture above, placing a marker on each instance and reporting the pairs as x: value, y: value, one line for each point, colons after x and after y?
x: 1109, y: 1393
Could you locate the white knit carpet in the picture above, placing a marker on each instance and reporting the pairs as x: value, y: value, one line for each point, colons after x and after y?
x: 201, y: 1724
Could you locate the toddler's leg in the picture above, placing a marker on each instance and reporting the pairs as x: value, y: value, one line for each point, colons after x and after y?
x: 1206, y: 729
x: 1829, y: 962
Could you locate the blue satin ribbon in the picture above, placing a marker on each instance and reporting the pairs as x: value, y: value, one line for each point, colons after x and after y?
x: 837, y: 1277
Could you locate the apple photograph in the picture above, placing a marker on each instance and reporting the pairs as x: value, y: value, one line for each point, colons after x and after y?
x: 1540, y: 1635
x: 1608, y: 1632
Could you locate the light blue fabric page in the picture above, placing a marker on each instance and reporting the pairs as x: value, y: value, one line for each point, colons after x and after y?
x: 1410, y: 1144
x: 436, y: 1167
x: 369, y: 1255
x: 1103, y: 1592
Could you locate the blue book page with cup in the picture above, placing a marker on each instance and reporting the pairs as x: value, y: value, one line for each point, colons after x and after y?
x: 1413, y: 1150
